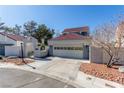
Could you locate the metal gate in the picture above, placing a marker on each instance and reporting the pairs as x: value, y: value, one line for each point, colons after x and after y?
x: 86, y: 52
x: 2, y: 50
x: 51, y: 50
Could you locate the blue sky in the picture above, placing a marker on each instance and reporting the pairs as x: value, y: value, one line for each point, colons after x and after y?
x: 60, y: 17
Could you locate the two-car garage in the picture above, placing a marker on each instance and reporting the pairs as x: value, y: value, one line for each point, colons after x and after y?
x: 70, y: 52
x: 70, y: 49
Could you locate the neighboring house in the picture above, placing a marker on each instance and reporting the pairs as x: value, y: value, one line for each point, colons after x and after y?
x: 120, y: 35
x: 73, y: 43
x: 10, y: 44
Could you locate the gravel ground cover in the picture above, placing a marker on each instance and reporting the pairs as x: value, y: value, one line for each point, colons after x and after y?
x: 102, y: 71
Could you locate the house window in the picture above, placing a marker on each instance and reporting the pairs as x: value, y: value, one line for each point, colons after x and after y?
x: 61, y: 48
x: 36, y: 49
x: 72, y: 48
x: 65, y: 48
x: 78, y: 48
x: 84, y: 33
x: 57, y: 48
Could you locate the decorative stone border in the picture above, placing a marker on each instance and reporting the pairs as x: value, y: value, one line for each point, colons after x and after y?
x: 88, y: 81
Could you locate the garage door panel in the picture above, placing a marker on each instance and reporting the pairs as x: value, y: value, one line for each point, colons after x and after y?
x: 68, y: 53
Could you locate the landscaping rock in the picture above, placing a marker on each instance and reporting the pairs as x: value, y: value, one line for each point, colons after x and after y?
x: 102, y: 71
x: 17, y: 61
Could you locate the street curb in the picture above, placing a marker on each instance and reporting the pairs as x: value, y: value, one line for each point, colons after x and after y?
x: 89, y: 81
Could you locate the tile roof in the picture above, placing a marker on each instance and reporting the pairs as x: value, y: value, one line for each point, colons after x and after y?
x: 78, y: 29
x: 14, y: 37
x: 71, y: 36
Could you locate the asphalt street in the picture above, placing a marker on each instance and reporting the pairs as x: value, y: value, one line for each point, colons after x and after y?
x: 16, y: 78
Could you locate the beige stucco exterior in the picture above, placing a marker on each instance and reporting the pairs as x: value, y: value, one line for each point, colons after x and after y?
x: 15, y: 48
x: 98, y: 55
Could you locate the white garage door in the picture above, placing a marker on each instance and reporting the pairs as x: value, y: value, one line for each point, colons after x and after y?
x: 70, y: 52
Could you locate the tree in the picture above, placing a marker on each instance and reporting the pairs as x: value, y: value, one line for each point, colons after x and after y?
x: 43, y: 33
x: 1, y: 25
x: 17, y: 30
x: 8, y: 29
x: 106, y: 38
x: 13, y: 30
x: 30, y: 28
x: 57, y: 33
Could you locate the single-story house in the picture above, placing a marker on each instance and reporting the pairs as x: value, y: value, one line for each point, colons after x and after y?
x: 10, y: 44
x: 73, y: 43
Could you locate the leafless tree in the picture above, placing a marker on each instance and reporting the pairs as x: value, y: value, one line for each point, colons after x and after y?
x: 110, y: 38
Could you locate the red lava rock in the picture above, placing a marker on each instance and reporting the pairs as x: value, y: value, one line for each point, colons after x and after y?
x: 17, y: 61
x: 102, y: 71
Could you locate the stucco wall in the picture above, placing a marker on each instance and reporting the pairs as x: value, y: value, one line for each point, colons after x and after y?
x: 69, y: 42
x: 106, y: 57
x: 19, y: 43
x: 28, y: 47
x: 98, y: 55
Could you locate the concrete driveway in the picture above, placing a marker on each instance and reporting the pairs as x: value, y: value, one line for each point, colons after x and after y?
x: 15, y: 78
x: 61, y: 68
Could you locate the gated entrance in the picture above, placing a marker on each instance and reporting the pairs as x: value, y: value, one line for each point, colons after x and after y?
x: 2, y: 50
x: 86, y: 52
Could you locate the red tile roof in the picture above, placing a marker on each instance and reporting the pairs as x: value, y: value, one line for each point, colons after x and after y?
x: 14, y: 37
x: 78, y: 29
x: 71, y: 36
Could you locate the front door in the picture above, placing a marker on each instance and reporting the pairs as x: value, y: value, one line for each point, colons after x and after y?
x: 86, y: 52
x: 2, y: 50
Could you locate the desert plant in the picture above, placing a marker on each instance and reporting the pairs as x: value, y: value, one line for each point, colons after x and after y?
x: 109, y: 37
